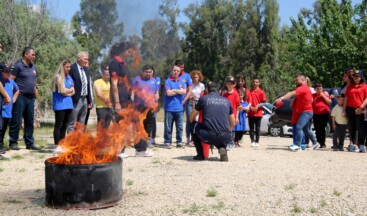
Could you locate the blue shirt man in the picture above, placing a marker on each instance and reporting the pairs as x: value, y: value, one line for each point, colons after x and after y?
x: 173, y: 107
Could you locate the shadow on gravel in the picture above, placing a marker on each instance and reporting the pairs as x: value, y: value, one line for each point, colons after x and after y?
x: 190, y: 158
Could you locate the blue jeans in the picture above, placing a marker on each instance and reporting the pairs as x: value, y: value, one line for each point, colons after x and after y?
x: 169, y: 119
x: 303, y: 125
x: 188, y: 109
x: 22, y: 108
x: 295, y: 138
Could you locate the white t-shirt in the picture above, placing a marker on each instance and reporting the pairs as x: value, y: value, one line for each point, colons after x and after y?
x: 197, y: 90
x: 337, y: 112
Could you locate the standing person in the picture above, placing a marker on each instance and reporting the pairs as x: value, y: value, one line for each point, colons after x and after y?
x: 82, y: 99
x: 241, y: 84
x: 154, y: 129
x: 321, y: 110
x: 217, y: 122
x: 197, y: 89
x: 339, y: 124
x: 175, y: 89
x: 12, y: 91
x: 25, y: 76
x: 62, y: 103
x: 255, y: 113
x: 240, y: 128
x: 303, y: 107
x: 355, y: 95
x: 232, y: 95
x: 187, y: 102
x: 145, y: 92
x: 347, y: 79
x: 102, y: 88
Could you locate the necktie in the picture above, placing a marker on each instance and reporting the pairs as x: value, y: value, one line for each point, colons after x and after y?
x: 84, y: 82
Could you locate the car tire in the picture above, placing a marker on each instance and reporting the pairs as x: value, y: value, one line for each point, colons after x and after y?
x: 275, y: 131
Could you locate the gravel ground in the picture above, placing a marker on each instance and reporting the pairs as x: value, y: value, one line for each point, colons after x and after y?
x: 269, y: 180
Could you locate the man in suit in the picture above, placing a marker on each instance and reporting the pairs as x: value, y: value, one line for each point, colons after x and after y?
x: 82, y: 99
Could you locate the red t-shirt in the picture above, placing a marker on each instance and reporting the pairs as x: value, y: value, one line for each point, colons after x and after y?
x: 295, y: 115
x: 304, y: 99
x: 257, y: 96
x: 356, y: 95
x: 234, y: 99
x: 319, y: 105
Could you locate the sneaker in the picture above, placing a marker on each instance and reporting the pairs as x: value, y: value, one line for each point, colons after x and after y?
x: 144, y: 154
x: 167, y: 146
x: 315, y: 146
x: 2, y: 150
x: 152, y: 141
x: 230, y: 146
x: 362, y: 149
x: 223, y: 154
x: 180, y: 146
x: 123, y: 155
x: 253, y: 144
x: 294, y: 147
x: 257, y: 144
x: 14, y: 147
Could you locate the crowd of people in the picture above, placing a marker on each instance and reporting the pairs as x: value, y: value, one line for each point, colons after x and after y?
x: 216, y: 114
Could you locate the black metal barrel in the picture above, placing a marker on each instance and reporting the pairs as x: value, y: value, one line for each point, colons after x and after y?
x: 86, y: 186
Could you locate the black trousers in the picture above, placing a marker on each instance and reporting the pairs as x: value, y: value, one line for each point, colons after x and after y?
x: 62, y: 118
x: 154, y: 128
x: 104, y: 116
x: 217, y: 139
x: 254, y: 124
x: 5, y: 123
x: 238, y: 135
x: 355, y: 123
x: 339, y: 135
x: 319, y: 122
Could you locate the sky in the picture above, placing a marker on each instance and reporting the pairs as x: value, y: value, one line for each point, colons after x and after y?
x: 134, y: 12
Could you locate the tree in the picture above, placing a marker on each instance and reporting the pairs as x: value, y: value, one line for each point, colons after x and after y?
x: 96, y: 28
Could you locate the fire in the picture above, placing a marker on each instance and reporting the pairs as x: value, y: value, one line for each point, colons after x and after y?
x: 133, y: 55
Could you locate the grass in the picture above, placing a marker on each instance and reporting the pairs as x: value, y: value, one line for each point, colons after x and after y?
x: 337, y: 193
x: 1, y: 170
x: 297, y: 208
x: 41, y: 156
x: 17, y: 157
x: 323, y: 203
x: 129, y: 182
x: 313, y: 210
x: 211, y: 193
x: 156, y: 161
x: 21, y: 170
x: 194, y: 208
x: 220, y: 205
x: 130, y: 169
x: 290, y: 187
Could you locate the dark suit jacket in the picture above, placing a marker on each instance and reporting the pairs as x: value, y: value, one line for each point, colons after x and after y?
x: 74, y: 73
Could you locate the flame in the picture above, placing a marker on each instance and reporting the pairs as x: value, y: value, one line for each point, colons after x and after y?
x: 133, y: 56
x: 83, y: 146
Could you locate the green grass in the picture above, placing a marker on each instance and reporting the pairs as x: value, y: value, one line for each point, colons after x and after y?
x: 194, y: 208
x: 297, y: 208
x: 323, y: 203
x: 21, y: 170
x: 156, y: 161
x: 337, y: 193
x: 1, y: 170
x: 220, y: 205
x: 129, y: 182
x: 17, y: 157
x: 130, y: 169
x: 13, y: 201
x: 290, y: 187
x: 211, y: 193
x: 313, y: 210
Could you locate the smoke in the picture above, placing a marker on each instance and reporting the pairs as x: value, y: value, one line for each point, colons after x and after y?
x: 134, y: 13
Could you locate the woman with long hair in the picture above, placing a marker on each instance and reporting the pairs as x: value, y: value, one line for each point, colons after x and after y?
x: 62, y: 90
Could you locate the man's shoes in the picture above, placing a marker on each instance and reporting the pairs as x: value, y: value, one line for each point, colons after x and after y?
x: 144, y: 154
x: 3, y: 150
x: 123, y: 155
x: 180, y: 146
x: 14, y: 147
x: 223, y: 154
x: 253, y: 144
x: 341, y: 149
x: 293, y: 147
x: 167, y: 146
x: 362, y: 149
x: 199, y: 157
x: 33, y: 147
x: 315, y: 146
x: 257, y: 144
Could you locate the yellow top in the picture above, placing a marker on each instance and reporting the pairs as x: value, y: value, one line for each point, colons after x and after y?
x: 105, y: 88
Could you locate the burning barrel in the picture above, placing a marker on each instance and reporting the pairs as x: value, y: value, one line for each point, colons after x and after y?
x: 83, y: 186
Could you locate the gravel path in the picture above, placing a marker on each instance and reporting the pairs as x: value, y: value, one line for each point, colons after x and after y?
x: 269, y: 180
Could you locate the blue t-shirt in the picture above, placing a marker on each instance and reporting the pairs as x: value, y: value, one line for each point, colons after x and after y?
x: 158, y: 81
x: 173, y: 103
x: 61, y: 102
x: 216, y: 110
x: 25, y: 77
x: 10, y: 87
x: 144, y: 91
x: 186, y: 78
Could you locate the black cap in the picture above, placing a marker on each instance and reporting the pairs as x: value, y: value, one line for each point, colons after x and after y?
x: 358, y: 73
x: 231, y: 79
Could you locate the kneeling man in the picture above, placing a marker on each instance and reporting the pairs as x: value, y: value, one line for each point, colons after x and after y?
x: 217, y: 122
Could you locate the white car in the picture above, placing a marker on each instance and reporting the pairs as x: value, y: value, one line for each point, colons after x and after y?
x: 267, y: 110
